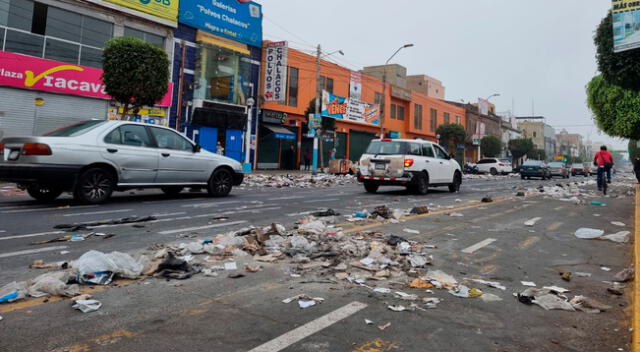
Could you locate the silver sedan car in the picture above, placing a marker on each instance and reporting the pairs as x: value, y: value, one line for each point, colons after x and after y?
x: 92, y: 159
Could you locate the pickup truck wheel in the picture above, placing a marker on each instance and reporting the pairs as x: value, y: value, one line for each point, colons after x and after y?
x: 371, y: 187
x: 44, y: 193
x: 493, y: 171
x: 172, y: 191
x: 455, y: 185
x: 422, y: 184
x: 220, y: 183
x: 94, y: 186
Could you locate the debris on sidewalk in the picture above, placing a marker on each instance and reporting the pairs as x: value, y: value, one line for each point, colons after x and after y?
x: 625, y: 275
x: 86, y: 306
x: 493, y: 284
x: 588, y: 233
x: 566, y: 276
x: 588, y: 305
x: 616, y: 288
x: 304, y: 301
x: 618, y: 223
x: 620, y: 237
x: 532, y: 222
x: 296, y: 180
x: 383, y: 327
x: 528, y: 283
x: 368, y: 322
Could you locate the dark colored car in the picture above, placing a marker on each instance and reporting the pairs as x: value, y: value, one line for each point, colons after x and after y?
x: 535, y: 168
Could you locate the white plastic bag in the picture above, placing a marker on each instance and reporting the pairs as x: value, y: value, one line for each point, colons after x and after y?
x: 620, y: 237
x: 126, y: 266
x: 587, y: 233
x: 87, y: 305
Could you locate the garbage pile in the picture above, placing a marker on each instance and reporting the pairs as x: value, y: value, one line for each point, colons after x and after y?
x: 299, y: 181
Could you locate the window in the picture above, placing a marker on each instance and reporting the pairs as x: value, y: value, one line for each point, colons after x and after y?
x: 326, y: 84
x: 417, y: 118
x: 440, y: 154
x: 61, y: 51
x: 133, y: 135
x: 434, y: 120
x: 447, y: 118
x: 377, y: 98
x: 400, y: 113
x: 427, y: 151
x: 415, y: 149
x: 19, y: 14
x: 293, y: 86
x: 146, y: 36
x: 220, y: 74
x: 393, y: 111
x: 458, y: 120
x: 534, y: 135
x: 170, y: 140
x: 75, y: 129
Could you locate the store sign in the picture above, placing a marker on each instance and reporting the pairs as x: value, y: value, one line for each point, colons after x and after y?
x: 29, y: 72
x: 275, y: 77
x: 346, y: 109
x: 270, y: 116
x: 166, y: 10
x: 237, y: 20
x: 355, y: 86
x: 626, y: 25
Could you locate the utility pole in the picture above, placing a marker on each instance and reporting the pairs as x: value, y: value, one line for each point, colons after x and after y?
x: 317, y: 112
x: 382, y: 101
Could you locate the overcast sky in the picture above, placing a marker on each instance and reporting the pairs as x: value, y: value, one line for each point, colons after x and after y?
x: 539, y: 51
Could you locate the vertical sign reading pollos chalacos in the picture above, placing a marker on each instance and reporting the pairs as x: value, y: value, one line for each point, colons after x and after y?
x: 275, y: 77
x: 237, y: 20
x: 626, y: 25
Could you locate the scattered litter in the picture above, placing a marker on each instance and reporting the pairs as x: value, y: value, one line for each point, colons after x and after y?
x: 532, y: 222
x: 325, y: 213
x: 235, y: 275
x: 88, y: 305
x: 604, y: 268
x: 411, y: 231
x: 64, y: 252
x: 85, y: 225
x: 397, y: 308
x: 490, y: 297
x: 580, y: 274
x: 175, y: 268
x: 618, y: 223
x: 419, y: 210
x: 381, y: 290
x: 588, y: 305
x: 368, y: 322
x: 252, y: 269
x: 555, y: 289
x: 382, y: 327
x: 461, y: 291
x: 431, y: 302
x: 487, y: 199
x: 598, y: 203
x: 420, y: 283
x: 528, y: 283
x: 440, y: 279
x: 620, y: 237
x: 566, y: 276
x: 587, y: 233
x: 456, y: 214
x: 493, y: 284
x: 230, y: 266
x: 616, y: 288
x: 625, y: 275
x: 40, y: 264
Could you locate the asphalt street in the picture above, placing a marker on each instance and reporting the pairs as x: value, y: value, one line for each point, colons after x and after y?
x: 489, y: 241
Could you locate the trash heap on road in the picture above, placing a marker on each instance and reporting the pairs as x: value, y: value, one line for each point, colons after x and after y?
x: 296, y: 180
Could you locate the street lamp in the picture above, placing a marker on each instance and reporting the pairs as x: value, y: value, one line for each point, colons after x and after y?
x: 319, y: 56
x: 493, y: 95
x: 384, y: 88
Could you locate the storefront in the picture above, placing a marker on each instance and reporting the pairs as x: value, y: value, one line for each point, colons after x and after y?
x: 277, y: 142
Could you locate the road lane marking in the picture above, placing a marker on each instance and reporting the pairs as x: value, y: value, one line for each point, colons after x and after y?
x: 477, y: 246
x: 554, y: 226
x: 286, y: 198
x: 303, y: 213
x: 321, y: 200
x: 310, y: 328
x: 32, y: 251
x: 528, y: 242
x: 189, y: 229
x: 31, y: 235
x: 44, y: 209
x: 100, y: 212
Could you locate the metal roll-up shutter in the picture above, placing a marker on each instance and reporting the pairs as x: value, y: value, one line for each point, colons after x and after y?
x: 61, y: 110
x: 358, y: 143
x: 17, y: 111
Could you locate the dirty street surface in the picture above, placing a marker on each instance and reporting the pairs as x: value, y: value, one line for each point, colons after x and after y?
x: 295, y: 264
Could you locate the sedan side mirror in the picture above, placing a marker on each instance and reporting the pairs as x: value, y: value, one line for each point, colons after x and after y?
x: 197, y: 148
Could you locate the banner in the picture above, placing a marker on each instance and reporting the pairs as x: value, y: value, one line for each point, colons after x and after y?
x: 344, y: 109
x: 355, y: 86
x: 30, y: 72
x: 234, y: 19
x: 275, y: 77
x: 626, y: 25
x: 483, y: 106
x: 166, y: 10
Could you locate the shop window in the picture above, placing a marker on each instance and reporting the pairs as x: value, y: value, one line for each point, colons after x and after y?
x: 63, y: 24
x: 145, y: 36
x: 59, y: 50
x: 434, y: 120
x: 91, y: 57
x: 393, y: 111
x: 400, y: 113
x: 293, y: 86
x: 417, y: 118
x: 24, y: 43
x: 447, y: 118
x: 95, y: 32
x: 17, y: 14
x: 222, y: 75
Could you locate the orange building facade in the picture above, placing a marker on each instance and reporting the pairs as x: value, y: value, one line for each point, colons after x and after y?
x: 282, y: 140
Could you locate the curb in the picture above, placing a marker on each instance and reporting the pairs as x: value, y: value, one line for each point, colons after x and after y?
x: 635, y: 298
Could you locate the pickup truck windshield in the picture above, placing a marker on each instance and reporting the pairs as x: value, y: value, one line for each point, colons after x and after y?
x: 378, y: 147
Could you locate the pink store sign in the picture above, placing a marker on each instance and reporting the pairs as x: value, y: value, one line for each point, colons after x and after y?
x: 30, y: 72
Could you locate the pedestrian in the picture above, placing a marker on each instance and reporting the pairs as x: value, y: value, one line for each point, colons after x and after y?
x: 604, y: 161
x: 332, y: 154
x: 219, y: 148
x: 307, y: 159
x: 636, y: 167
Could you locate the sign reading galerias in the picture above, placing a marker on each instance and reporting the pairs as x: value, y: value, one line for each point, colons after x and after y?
x: 275, y: 78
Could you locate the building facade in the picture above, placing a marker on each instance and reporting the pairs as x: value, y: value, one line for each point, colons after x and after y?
x: 478, y: 126
x: 570, y: 144
x: 426, y: 85
x: 216, y: 72
x: 51, y: 60
x: 542, y: 135
x: 352, y: 98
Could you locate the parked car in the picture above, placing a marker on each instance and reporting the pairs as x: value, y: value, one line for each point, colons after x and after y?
x: 558, y: 168
x: 92, y: 159
x: 494, y: 166
x: 535, y: 168
x: 415, y: 164
x: 579, y: 170
x: 592, y: 171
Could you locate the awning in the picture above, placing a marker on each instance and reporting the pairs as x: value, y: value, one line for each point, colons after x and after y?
x: 281, y: 132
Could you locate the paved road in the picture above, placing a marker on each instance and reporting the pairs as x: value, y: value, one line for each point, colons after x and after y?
x: 222, y: 314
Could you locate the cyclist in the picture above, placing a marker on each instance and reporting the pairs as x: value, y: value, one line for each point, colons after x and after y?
x: 604, y: 161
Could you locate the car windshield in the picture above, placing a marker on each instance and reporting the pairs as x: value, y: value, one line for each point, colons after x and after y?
x: 532, y: 163
x: 378, y: 147
x: 505, y: 161
x: 75, y: 129
x: 557, y: 164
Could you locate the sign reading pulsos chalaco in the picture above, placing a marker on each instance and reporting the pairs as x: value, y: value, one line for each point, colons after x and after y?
x: 275, y: 77
x: 237, y: 20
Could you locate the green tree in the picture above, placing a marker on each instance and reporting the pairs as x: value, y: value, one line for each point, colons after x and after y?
x: 623, y: 68
x: 537, y: 154
x: 520, y: 147
x: 615, y: 109
x: 451, y: 135
x: 135, y: 73
x: 491, y: 146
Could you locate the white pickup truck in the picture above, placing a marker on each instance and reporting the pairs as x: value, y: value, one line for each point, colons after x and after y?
x: 413, y: 163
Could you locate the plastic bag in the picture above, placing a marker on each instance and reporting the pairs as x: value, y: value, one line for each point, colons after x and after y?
x: 620, y: 237
x: 51, y: 285
x: 12, y: 292
x: 126, y: 266
x: 587, y: 233
x: 98, y: 268
x: 87, y: 305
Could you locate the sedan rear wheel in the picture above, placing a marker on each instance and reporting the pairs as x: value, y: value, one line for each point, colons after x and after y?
x: 220, y: 183
x: 44, y: 193
x: 94, y: 186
